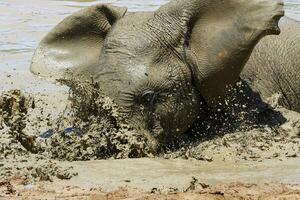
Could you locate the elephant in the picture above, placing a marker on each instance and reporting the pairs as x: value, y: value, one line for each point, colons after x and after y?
x: 274, y: 66
x: 160, y: 67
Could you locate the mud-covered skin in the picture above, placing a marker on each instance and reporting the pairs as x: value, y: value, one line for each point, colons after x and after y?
x: 274, y: 66
x: 151, y: 82
x: 155, y: 65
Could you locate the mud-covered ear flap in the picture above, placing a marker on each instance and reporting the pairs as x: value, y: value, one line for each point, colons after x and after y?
x: 76, y: 42
x: 221, y: 36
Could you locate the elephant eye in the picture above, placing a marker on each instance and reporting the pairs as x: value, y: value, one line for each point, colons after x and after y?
x: 149, y: 97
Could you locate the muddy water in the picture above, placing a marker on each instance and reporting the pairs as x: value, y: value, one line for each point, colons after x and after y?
x: 150, y: 173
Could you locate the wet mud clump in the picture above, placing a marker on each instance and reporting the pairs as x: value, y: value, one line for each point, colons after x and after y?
x: 88, y: 127
x: 18, y: 151
x: 91, y: 128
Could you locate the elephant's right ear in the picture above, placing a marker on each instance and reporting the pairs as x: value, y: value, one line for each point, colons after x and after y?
x: 221, y: 35
x: 76, y: 42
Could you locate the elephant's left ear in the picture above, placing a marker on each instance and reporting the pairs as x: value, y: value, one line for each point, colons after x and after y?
x: 76, y: 42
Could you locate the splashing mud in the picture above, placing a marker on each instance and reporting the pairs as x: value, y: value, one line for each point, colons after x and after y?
x: 246, y: 128
x: 89, y: 127
x: 18, y: 152
x: 40, y: 134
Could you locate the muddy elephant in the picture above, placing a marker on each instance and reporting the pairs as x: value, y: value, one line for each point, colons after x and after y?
x: 160, y: 66
x: 274, y: 65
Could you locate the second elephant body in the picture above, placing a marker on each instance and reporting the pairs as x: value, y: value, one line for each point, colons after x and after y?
x: 274, y: 65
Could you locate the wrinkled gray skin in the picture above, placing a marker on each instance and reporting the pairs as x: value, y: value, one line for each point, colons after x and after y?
x: 274, y: 66
x: 159, y: 65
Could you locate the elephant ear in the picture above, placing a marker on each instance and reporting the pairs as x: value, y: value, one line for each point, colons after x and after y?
x: 221, y: 35
x: 76, y: 42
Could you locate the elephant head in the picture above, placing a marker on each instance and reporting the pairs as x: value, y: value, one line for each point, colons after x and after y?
x: 158, y: 66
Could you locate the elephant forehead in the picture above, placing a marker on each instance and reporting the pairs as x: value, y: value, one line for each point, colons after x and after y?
x: 135, y: 77
x: 137, y: 71
x: 141, y: 32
